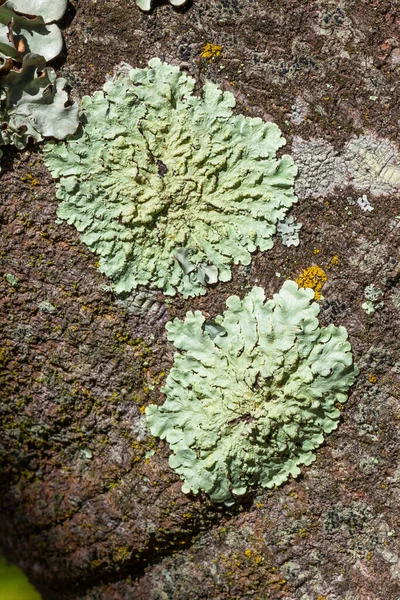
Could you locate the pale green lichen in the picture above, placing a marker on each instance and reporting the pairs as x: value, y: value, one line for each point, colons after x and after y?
x: 372, y: 295
x: 170, y: 188
x: 251, y: 396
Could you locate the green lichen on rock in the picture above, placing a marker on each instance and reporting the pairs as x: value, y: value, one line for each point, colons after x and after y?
x: 33, y: 104
x: 170, y: 188
x: 26, y: 26
x: 251, y: 396
x: 49, y: 10
x: 147, y: 5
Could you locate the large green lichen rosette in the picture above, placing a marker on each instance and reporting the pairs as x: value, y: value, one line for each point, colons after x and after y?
x: 251, y: 395
x: 169, y: 188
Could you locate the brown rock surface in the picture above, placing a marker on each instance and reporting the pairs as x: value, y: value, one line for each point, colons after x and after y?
x: 86, y: 509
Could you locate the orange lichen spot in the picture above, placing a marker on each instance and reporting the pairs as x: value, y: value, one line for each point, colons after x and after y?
x: 211, y: 51
x: 372, y: 378
x: 313, y: 277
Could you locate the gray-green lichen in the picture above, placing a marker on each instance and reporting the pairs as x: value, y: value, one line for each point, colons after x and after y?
x: 372, y: 295
x: 251, y: 396
x: 170, y: 188
x: 27, y: 26
x: 49, y: 10
x: 33, y: 102
x: 288, y: 231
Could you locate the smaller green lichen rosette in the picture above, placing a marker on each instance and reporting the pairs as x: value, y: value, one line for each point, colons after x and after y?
x: 169, y: 188
x: 251, y: 396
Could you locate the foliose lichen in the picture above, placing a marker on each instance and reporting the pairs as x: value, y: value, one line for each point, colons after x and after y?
x: 28, y: 26
x: 365, y: 204
x: 147, y: 5
x: 251, y: 395
x: 288, y: 231
x: 170, y: 188
x: 33, y: 102
x: 372, y: 295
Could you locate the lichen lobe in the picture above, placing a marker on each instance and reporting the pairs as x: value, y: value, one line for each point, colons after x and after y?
x: 249, y: 405
x: 158, y: 171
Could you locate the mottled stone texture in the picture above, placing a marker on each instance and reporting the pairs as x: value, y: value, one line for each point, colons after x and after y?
x: 86, y: 508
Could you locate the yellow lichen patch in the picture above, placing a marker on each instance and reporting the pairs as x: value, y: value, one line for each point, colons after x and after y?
x: 95, y: 563
x: 211, y: 51
x: 122, y: 554
x: 313, y: 277
x: 335, y: 260
x: 303, y: 533
x: 372, y: 378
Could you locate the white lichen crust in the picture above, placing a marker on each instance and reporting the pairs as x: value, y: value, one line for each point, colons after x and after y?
x: 170, y: 188
x: 251, y: 396
x: 373, y: 164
